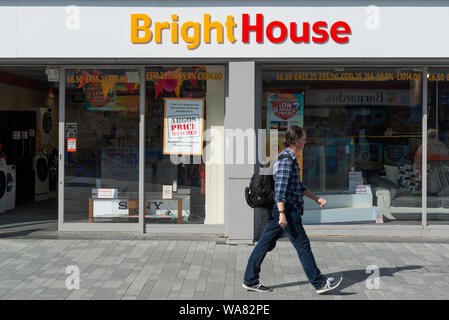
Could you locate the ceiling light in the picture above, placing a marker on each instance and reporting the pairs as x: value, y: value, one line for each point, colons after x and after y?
x: 52, y: 74
x: 133, y: 76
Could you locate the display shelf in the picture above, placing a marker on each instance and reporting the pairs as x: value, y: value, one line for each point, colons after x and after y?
x: 339, y: 201
x: 438, y: 157
x: 339, y: 215
x: 133, y: 204
x: 153, y: 217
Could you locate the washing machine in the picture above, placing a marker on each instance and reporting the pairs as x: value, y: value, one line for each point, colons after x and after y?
x: 41, y: 189
x: 45, y: 126
x: 10, y: 187
x: 2, y: 185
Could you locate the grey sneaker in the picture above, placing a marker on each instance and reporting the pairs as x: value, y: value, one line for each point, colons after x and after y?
x: 259, y: 287
x: 330, y: 284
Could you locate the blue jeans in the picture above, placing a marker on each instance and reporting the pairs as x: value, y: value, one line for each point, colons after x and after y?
x: 298, y: 238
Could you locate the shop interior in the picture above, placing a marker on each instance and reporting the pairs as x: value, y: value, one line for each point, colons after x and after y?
x: 370, y: 126
x: 189, y: 177
x: 28, y: 145
x: 364, y: 136
x: 102, y: 116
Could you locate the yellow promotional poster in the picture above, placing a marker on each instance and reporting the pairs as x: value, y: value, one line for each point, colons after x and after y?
x: 103, y: 91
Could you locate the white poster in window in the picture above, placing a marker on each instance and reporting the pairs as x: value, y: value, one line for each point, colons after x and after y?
x: 167, y: 192
x: 114, y: 208
x: 183, y: 126
x: 16, y: 135
x: 355, y: 179
x: 107, y: 193
x: 71, y: 130
x: 379, y: 216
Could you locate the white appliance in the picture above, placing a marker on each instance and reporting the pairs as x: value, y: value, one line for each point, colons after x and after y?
x: 45, y: 126
x: 42, y: 186
x: 2, y: 185
x: 10, y: 187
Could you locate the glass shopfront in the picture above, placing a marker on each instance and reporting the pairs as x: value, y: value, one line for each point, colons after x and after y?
x: 139, y: 120
x: 437, y: 146
x: 102, y: 145
x: 364, y: 130
x: 363, y: 154
x: 182, y: 102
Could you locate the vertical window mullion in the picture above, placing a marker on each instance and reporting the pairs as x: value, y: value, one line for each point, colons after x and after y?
x: 61, y: 162
x: 142, y: 151
x: 424, y: 150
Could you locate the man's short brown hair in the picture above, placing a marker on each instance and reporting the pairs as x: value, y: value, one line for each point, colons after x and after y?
x: 293, y: 133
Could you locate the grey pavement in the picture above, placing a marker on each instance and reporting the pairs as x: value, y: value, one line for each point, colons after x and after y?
x: 192, y: 269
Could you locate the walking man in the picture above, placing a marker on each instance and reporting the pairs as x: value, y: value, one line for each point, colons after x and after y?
x: 285, y: 216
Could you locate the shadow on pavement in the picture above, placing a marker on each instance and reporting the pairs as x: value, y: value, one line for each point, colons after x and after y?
x: 352, y: 277
x: 27, y: 224
x: 18, y: 234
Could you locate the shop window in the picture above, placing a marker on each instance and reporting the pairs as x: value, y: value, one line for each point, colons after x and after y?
x: 437, y: 146
x: 364, y: 127
x: 182, y: 102
x: 28, y: 142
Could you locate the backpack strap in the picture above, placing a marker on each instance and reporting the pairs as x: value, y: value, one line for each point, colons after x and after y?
x: 283, y: 156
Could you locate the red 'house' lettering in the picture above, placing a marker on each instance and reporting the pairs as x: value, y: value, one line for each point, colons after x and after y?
x: 317, y: 29
x: 280, y: 25
x: 335, y: 32
x: 338, y: 32
x: 305, y: 33
x: 246, y: 28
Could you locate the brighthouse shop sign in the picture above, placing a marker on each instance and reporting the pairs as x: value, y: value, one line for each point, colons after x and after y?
x: 193, y: 34
x: 250, y: 30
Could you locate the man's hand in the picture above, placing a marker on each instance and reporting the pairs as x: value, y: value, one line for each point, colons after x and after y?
x: 321, y: 201
x: 282, y: 220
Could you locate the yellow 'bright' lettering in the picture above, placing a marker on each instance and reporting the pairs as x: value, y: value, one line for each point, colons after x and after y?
x: 194, y: 40
x: 135, y: 28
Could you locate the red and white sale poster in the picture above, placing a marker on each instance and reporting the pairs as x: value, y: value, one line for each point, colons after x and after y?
x: 284, y: 110
x: 71, y: 144
x: 183, y: 126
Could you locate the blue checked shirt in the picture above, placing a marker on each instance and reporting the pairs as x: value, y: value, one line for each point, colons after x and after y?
x: 288, y: 187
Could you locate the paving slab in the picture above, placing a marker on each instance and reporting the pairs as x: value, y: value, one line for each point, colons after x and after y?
x: 206, y: 269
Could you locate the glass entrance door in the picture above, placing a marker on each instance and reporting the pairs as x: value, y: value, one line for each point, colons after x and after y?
x: 101, y: 145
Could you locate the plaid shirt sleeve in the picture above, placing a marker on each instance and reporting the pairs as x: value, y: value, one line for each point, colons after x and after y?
x: 281, y: 176
x: 304, y: 187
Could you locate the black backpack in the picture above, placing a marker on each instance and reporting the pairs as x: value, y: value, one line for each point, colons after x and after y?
x: 260, y: 193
